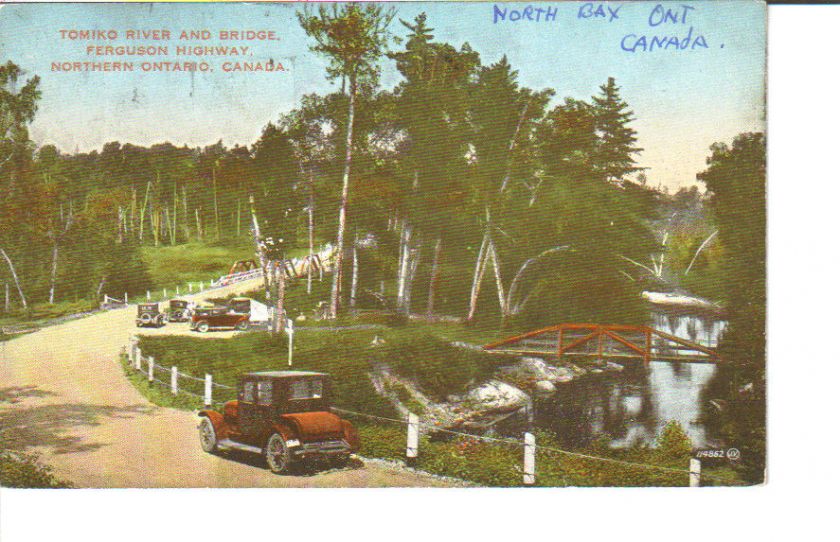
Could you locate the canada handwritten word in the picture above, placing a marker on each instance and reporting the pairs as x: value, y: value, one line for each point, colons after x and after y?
x: 671, y: 35
x: 528, y: 13
x: 594, y: 11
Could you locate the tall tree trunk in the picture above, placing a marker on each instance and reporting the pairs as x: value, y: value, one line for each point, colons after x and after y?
x: 260, y: 250
x: 404, y: 263
x: 216, y: 202
x: 197, y: 224
x: 480, y: 264
x: 414, y: 255
x: 342, y: 211
x: 187, y: 231
x: 143, y: 209
x: 14, y: 277
x: 174, y: 237
x: 500, y: 289
x: 155, y: 219
x: 279, y: 308
x: 311, y: 217
x: 53, y: 271
x: 433, y: 278
x: 354, y: 281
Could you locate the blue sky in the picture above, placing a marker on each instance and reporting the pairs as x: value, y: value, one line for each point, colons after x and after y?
x: 684, y: 99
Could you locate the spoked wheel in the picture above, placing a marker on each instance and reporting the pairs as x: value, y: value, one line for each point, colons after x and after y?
x: 207, y: 435
x: 145, y: 318
x: 277, y: 454
x: 203, y: 327
x: 242, y: 325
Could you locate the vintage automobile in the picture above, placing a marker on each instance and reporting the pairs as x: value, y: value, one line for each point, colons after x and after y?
x: 241, y: 305
x: 283, y: 415
x: 179, y: 310
x: 149, y: 315
x: 205, y: 319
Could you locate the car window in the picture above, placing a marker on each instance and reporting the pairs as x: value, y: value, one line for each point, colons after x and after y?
x: 307, y: 389
x: 264, y: 392
x: 248, y: 392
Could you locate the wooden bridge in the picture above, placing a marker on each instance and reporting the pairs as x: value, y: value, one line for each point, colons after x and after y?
x: 605, y: 341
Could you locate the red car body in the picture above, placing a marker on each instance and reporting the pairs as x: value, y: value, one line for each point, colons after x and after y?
x: 283, y: 415
x: 204, y: 320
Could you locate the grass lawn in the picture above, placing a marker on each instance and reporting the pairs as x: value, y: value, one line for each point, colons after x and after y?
x: 438, y: 367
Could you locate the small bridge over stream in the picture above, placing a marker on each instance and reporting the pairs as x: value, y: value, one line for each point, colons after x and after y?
x: 605, y: 342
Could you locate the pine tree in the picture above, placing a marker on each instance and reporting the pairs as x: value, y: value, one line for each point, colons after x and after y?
x: 616, y: 145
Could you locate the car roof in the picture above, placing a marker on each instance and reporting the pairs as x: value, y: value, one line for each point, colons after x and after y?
x: 283, y: 374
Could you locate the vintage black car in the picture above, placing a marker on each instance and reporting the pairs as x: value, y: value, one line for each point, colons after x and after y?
x: 149, y: 315
x: 284, y: 416
x: 205, y: 319
x: 179, y: 310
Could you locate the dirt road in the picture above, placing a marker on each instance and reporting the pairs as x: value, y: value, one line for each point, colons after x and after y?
x: 63, y: 394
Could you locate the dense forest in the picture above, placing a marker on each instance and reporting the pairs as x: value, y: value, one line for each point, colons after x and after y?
x: 459, y: 191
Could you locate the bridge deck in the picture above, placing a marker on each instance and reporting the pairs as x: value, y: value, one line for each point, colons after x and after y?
x: 605, y: 341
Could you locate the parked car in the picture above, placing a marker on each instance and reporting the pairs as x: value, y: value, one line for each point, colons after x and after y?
x: 204, y: 320
x: 179, y: 310
x: 241, y: 305
x: 149, y: 315
x: 284, y: 416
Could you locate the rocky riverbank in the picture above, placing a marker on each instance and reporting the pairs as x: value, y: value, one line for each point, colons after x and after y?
x: 509, y: 391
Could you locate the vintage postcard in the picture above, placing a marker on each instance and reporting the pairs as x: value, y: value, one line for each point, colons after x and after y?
x: 448, y: 244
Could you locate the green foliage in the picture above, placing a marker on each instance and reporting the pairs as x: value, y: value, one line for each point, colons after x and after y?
x: 736, y: 178
x: 673, y: 442
x: 616, y: 144
x: 24, y: 470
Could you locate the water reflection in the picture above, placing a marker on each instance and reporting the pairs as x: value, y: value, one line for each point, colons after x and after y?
x: 631, y: 407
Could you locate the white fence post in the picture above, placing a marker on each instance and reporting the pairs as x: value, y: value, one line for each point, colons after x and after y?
x: 190, y: 287
x: 201, y: 286
x: 177, y: 290
x: 208, y: 390
x: 529, y: 464
x: 173, y: 383
x: 105, y: 299
x: 125, y: 296
x: 164, y: 293
x: 138, y: 357
x: 148, y: 295
x: 694, y: 472
x: 151, y: 369
x: 413, y: 440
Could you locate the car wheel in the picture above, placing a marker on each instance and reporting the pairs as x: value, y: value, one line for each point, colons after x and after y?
x: 242, y: 325
x: 202, y: 327
x: 277, y: 454
x: 145, y: 318
x: 207, y: 435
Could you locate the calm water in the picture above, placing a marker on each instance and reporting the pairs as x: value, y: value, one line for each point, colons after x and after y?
x: 633, y: 406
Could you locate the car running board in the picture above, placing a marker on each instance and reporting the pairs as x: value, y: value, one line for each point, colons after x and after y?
x: 227, y: 443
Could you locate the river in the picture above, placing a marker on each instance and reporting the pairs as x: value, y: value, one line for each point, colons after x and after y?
x: 632, y: 406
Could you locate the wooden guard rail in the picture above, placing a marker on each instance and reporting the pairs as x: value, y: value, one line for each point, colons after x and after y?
x: 605, y: 341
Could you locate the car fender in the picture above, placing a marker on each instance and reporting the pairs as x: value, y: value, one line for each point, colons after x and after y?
x: 218, y: 422
x: 288, y: 433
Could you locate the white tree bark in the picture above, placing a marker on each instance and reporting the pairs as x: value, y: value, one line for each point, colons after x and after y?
x: 480, y: 264
x: 14, y: 277
x: 342, y: 211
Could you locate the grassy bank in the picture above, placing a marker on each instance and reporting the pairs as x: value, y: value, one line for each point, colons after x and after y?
x: 348, y: 355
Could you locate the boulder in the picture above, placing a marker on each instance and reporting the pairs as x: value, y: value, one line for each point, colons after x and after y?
x: 545, y: 386
x: 496, y: 396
